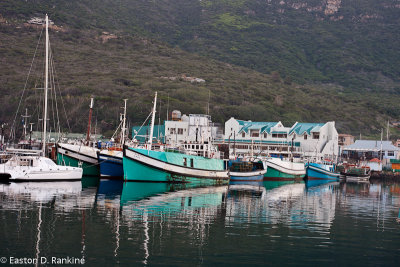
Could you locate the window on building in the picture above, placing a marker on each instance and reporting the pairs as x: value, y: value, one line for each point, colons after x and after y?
x: 185, y: 162
x: 390, y: 153
x: 315, y: 135
x: 305, y: 137
x: 172, y: 131
x: 265, y: 135
x: 191, y: 163
x: 180, y: 130
x: 279, y: 135
x: 243, y: 134
x: 254, y: 133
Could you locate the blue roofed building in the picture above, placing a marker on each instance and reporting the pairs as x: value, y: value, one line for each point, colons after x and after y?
x: 309, y: 140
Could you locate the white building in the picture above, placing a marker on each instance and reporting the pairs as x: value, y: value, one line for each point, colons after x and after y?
x: 195, y: 128
x: 314, y: 141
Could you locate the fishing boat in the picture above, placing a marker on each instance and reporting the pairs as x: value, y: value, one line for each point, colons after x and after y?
x: 81, y: 154
x: 321, y: 171
x: 110, y: 158
x: 246, y: 171
x: 110, y: 162
x: 31, y: 165
x: 145, y: 164
x: 283, y: 170
x: 353, y: 172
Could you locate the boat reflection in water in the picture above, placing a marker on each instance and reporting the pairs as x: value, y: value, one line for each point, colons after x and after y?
x: 309, y: 205
x: 169, y: 197
x: 315, y: 185
x: 66, y: 195
x: 171, y: 211
x: 138, y: 223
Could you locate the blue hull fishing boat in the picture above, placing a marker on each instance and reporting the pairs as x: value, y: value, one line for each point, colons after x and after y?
x: 110, y: 158
x: 318, y: 171
x: 110, y: 162
x: 246, y: 171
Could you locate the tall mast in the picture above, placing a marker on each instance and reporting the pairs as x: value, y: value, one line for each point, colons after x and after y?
x: 152, y: 122
x: 381, y: 145
x: 123, y: 124
x: 90, y: 120
x: 46, y: 85
x: 25, y: 118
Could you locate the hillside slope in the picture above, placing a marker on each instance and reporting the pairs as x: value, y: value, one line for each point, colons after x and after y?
x: 134, y: 66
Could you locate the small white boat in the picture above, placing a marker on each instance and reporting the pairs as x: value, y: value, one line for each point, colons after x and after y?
x: 37, y: 168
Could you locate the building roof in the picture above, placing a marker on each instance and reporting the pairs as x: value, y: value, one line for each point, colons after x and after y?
x: 261, y: 126
x: 242, y: 122
x: 302, y: 127
x: 371, y: 145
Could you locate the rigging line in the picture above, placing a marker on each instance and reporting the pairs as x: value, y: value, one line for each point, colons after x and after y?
x: 52, y: 88
x: 26, y: 83
x: 55, y: 93
x: 54, y: 102
x: 142, y: 125
x: 62, y: 99
x: 117, y: 129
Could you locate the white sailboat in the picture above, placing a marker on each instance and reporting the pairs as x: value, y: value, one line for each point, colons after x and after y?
x: 32, y: 165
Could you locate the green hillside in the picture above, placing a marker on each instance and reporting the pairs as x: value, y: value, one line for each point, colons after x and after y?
x: 297, y: 62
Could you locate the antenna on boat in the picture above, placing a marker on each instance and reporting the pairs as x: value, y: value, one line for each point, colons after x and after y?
x: 90, y: 120
x: 153, y: 115
x: 167, y: 107
x: 387, y: 132
x: 123, y: 132
x: 25, y: 118
x: 46, y: 85
x: 381, y: 146
x: 159, y: 122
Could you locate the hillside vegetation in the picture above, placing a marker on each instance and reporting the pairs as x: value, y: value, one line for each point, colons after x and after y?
x: 261, y: 60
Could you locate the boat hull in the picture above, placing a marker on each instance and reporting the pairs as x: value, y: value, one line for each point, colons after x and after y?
x: 146, y: 168
x: 314, y: 172
x: 273, y: 174
x: 247, y: 176
x: 111, y: 166
x: 26, y: 173
x: 284, y: 171
x: 70, y: 157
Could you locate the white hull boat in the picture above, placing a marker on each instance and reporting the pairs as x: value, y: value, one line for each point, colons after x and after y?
x: 37, y: 168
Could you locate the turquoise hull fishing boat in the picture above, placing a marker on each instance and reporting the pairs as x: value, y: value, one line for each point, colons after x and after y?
x: 160, y: 166
x: 316, y: 171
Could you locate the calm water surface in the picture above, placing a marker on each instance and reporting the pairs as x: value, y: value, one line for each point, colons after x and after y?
x: 110, y: 223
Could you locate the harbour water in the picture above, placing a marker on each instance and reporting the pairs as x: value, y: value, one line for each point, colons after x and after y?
x: 111, y: 223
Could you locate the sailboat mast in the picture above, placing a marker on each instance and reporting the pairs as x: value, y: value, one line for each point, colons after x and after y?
x: 152, y: 122
x: 46, y: 85
x: 90, y: 120
x: 124, y: 124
